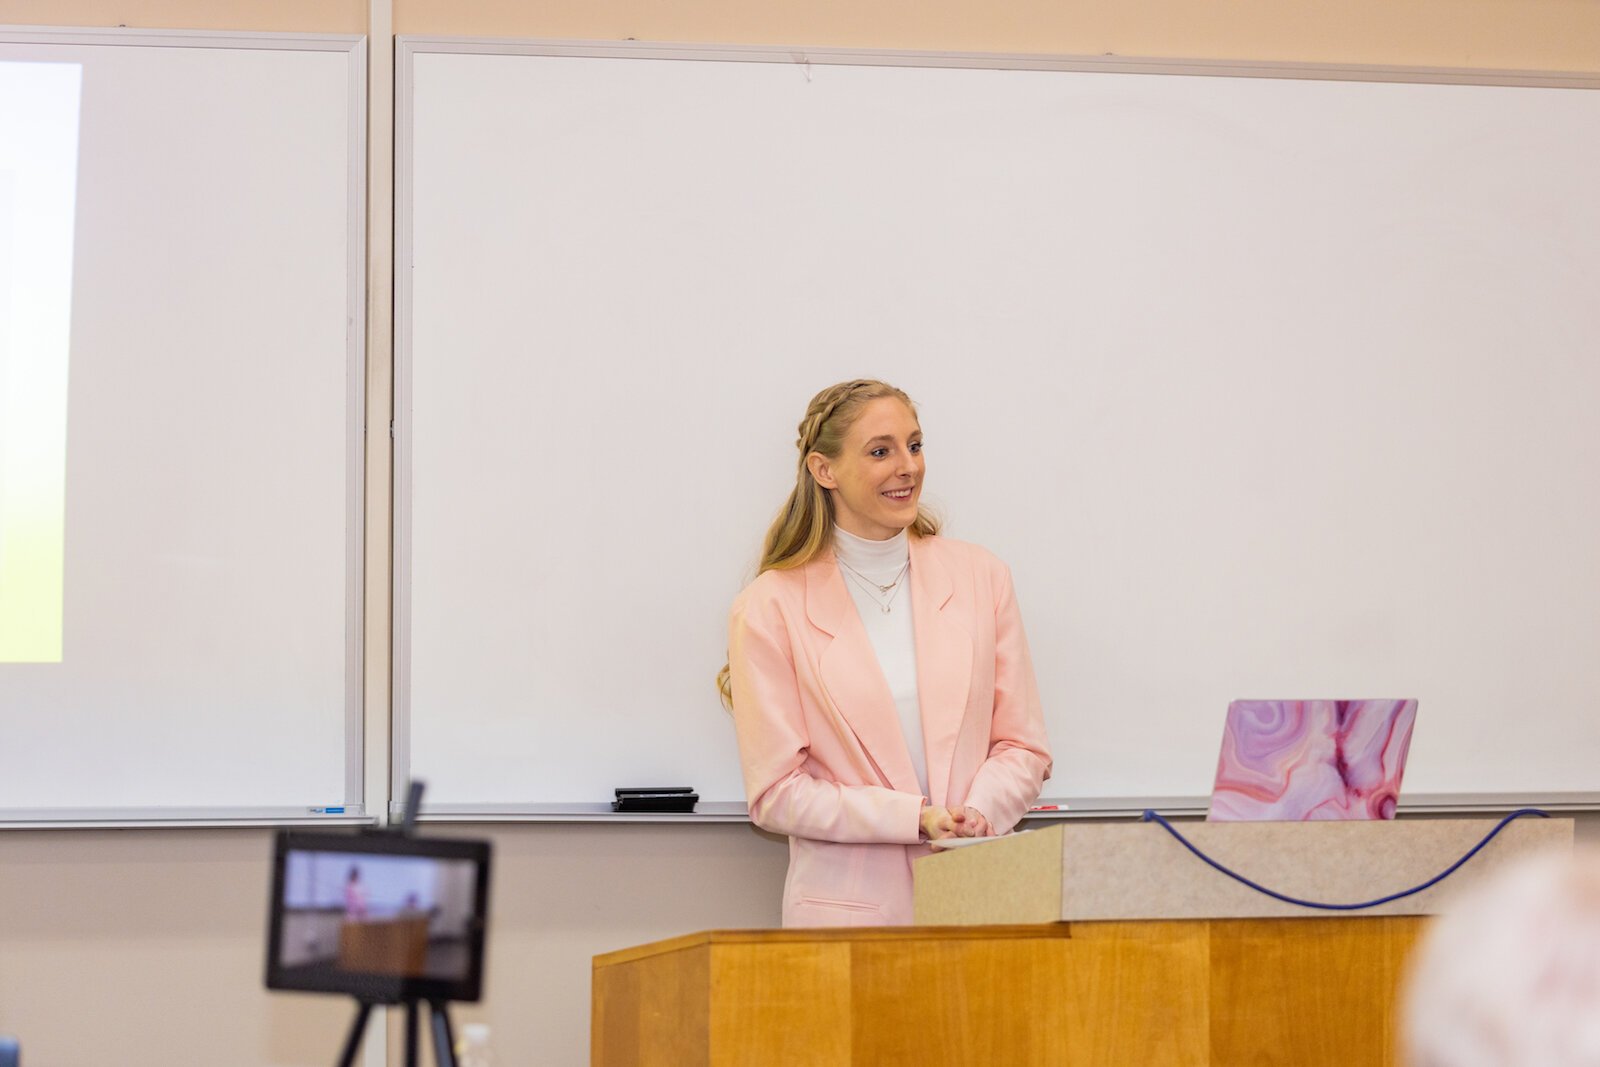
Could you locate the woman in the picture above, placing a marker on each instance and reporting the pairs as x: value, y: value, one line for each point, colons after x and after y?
x: 878, y: 674
x: 355, y: 897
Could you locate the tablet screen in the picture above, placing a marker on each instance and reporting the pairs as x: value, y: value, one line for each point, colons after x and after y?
x: 380, y: 917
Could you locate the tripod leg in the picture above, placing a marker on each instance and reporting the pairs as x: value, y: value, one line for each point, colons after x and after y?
x: 352, y: 1043
x: 444, y: 1041
x: 413, y: 1009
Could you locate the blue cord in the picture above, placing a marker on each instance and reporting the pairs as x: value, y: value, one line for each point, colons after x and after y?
x: 1151, y: 816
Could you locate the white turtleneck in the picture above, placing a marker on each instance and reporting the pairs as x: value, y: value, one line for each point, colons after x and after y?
x: 891, y: 632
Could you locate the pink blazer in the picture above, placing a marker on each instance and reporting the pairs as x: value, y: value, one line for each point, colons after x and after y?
x: 825, y: 760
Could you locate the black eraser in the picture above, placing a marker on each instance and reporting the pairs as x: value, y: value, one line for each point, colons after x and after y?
x: 656, y: 802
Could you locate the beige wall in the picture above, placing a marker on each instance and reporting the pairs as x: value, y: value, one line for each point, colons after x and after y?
x: 280, y: 16
x: 144, y: 947
x: 1533, y: 34
x: 1515, y: 34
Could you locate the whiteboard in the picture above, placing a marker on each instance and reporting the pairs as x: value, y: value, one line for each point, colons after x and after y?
x: 1269, y: 386
x: 206, y: 661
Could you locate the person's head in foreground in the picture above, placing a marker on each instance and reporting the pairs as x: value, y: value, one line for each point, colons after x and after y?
x: 1510, y: 977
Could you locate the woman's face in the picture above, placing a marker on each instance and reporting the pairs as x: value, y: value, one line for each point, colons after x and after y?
x: 876, y: 479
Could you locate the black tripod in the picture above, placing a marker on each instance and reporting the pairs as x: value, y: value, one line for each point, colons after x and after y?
x: 444, y: 1043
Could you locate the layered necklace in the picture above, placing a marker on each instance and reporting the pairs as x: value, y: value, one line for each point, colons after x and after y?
x: 881, y: 594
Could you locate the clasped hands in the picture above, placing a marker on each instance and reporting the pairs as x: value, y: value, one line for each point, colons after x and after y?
x: 939, y: 823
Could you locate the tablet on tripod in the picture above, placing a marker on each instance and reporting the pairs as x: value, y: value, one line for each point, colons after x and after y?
x: 386, y: 918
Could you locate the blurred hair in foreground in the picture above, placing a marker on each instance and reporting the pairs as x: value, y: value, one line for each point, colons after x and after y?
x: 1510, y: 976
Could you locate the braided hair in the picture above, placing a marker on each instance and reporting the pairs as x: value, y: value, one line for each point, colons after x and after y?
x: 803, y: 528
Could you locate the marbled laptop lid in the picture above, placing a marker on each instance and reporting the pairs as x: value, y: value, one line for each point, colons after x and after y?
x: 1295, y: 760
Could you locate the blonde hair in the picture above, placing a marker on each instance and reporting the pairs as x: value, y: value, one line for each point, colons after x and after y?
x: 803, y: 528
x: 1511, y: 975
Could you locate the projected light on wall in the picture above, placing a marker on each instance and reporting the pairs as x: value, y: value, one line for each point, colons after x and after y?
x: 38, y: 185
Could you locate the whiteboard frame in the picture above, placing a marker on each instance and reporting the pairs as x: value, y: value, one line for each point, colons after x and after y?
x: 1069, y: 809
x: 408, y: 47
x: 355, y: 48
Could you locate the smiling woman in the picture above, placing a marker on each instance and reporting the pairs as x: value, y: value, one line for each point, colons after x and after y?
x: 878, y: 674
x: 876, y: 479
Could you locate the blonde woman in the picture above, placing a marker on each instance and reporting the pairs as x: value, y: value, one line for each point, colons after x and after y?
x: 878, y: 674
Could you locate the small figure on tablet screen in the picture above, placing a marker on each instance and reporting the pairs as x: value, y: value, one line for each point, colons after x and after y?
x: 355, y: 896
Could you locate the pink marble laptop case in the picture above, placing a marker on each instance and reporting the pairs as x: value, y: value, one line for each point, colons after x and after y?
x: 1297, y: 760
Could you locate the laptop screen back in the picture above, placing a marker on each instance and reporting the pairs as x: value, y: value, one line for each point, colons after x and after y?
x: 1298, y: 760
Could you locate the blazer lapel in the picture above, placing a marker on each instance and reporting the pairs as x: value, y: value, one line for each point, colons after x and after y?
x: 853, y: 677
x: 944, y: 663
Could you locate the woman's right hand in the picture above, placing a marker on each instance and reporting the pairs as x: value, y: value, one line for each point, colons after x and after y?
x: 939, y: 823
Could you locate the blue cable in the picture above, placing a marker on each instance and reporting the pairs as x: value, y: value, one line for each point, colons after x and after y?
x: 1151, y: 816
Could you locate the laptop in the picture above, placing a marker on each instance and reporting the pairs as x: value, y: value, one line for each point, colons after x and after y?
x: 1301, y: 760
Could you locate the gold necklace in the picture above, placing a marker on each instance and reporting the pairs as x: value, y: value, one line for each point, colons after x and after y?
x: 876, y: 590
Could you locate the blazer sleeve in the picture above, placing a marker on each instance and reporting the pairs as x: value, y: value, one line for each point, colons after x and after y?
x: 783, y: 795
x: 1019, y: 753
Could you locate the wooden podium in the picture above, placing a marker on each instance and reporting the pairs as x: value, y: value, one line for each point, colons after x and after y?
x: 1148, y: 991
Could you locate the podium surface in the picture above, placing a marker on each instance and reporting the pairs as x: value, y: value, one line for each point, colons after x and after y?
x: 1137, y: 870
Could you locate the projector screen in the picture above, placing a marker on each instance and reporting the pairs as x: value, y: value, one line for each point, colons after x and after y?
x: 38, y: 186
x: 180, y: 335
x: 1269, y: 387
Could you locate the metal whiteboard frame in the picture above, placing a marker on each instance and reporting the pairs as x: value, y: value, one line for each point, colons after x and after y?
x: 408, y: 47
x: 355, y: 48
x: 1064, y: 809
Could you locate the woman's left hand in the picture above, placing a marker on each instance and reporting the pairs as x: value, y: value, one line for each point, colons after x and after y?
x: 973, y: 824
